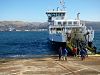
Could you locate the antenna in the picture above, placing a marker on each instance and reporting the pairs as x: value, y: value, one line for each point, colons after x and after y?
x: 78, y: 16
x: 62, y: 3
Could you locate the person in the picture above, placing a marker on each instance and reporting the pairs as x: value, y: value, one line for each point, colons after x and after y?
x: 75, y: 51
x: 95, y: 49
x: 60, y: 53
x: 86, y: 53
x: 78, y: 49
x: 64, y: 54
x: 82, y: 53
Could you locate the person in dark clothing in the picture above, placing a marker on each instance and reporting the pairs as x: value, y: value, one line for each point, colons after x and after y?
x: 82, y: 53
x: 78, y: 50
x: 95, y: 49
x: 60, y: 53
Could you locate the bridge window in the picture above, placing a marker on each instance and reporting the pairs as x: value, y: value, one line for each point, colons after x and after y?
x: 59, y: 23
x: 49, y: 14
x: 58, y: 14
x: 64, y: 23
x: 75, y: 22
x: 53, y: 14
x: 70, y: 22
x: 62, y: 14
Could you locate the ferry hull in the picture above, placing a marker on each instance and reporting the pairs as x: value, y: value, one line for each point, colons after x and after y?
x: 58, y: 37
x: 56, y: 45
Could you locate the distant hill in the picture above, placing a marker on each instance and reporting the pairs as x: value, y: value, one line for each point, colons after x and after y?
x: 21, y: 25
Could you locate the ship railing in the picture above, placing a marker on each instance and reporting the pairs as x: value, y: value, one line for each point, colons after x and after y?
x: 66, y: 24
x: 62, y: 26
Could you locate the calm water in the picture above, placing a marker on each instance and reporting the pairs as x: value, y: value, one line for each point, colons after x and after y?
x: 29, y: 44
x: 97, y: 40
x: 24, y: 44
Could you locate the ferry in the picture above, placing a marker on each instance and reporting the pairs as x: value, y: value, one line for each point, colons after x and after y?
x: 65, y: 32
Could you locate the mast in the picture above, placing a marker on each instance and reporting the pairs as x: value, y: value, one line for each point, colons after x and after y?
x: 62, y: 3
x: 78, y: 18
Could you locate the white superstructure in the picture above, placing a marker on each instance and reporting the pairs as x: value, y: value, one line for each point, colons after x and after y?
x: 61, y: 29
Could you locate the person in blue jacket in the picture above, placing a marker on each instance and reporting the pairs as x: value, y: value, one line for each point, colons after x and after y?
x: 64, y: 54
x: 82, y: 53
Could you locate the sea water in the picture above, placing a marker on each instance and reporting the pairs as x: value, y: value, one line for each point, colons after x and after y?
x: 24, y: 44
x: 30, y: 44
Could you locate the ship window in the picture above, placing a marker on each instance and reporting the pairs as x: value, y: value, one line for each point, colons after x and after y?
x: 51, y: 29
x: 49, y: 14
x: 58, y: 29
x: 64, y: 23
x: 53, y: 14
x: 69, y: 22
x: 58, y: 14
x: 59, y: 22
x: 75, y: 22
x: 62, y: 14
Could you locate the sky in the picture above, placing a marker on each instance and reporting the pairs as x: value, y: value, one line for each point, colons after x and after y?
x: 34, y: 10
